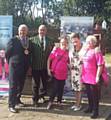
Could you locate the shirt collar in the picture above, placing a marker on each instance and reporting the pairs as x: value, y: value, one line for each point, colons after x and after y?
x: 40, y: 37
x: 23, y: 38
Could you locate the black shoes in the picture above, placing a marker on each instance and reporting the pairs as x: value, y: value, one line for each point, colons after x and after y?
x: 35, y: 104
x: 94, y: 115
x: 88, y: 110
x: 13, y: 110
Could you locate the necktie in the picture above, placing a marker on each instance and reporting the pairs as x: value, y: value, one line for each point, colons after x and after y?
x: 23, y: 41
x: 42, y: 43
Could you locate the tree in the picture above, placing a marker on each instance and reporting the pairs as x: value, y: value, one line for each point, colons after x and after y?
x: 20, y: 9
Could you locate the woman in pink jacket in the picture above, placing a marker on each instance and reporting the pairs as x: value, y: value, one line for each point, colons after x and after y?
x: 58, y: 66
x: 92, y: 69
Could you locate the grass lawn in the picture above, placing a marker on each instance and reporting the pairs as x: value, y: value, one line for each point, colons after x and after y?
x: 108, y: 58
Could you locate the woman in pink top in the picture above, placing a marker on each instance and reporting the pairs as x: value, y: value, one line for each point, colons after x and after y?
x: 58, y: 66
x: 92, y: 68
x: 4, y: 68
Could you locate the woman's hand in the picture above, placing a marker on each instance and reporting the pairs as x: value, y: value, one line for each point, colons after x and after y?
x: 49, y: 72
x: 97, y: 79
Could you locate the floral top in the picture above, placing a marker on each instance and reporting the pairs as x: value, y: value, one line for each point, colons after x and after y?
x: 76, y: 70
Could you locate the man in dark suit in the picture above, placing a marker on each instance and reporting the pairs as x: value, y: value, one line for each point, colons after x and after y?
x: 18, y: 57
x: 41, y: 47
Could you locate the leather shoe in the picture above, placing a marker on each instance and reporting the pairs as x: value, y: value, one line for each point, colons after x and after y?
x: 35, y: 104
x: 94, y: 115
x: 88, y: 110
x: 13, y: 110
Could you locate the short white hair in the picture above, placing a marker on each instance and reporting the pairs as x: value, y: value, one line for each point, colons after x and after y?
x: 42, y: 26
x: 22, y: 26
x: 91, y: 38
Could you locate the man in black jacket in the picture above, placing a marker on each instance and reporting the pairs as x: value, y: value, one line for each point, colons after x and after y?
x: 18, y: 57
x: 41, y: 46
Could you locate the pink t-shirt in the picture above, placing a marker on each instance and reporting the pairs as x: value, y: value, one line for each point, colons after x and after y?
x: 60, y: 60
x: 90, y: 61
x: 6, y: 67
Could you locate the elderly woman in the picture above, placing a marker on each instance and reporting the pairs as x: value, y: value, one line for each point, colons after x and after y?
x: 92, y: 68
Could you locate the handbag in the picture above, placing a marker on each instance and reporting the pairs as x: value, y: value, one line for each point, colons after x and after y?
x: 104, y: 76
x: 104, y: 79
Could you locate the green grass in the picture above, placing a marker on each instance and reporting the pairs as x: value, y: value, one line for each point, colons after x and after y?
x: 108, y: 58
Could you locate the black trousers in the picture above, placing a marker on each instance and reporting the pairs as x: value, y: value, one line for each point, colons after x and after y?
x: 39, y: 75
x: 57, y: 90
x: 16, y: 85
x: 93, y: 94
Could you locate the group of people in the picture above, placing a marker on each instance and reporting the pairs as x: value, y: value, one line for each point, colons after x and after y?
x: 22, y: 53
x: 85, y: 63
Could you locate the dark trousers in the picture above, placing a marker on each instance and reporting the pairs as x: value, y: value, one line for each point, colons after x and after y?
x: 93, y: 94
x: 37, y: 76
x: 57, y: 90
x: 16, y: 84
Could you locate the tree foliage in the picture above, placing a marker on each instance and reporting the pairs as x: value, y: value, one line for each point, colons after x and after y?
x: 23, y: 12
x: 21, y: 9
x: 97, y: 8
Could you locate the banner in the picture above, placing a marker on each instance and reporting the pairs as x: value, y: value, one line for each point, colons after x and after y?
x: 4, y: 88
x: 81, y: 25
x: 5, y: 30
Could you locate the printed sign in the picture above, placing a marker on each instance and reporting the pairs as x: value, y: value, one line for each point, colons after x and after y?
x: 81, y: 25
x: 5, y: 34
x: 5, y: 30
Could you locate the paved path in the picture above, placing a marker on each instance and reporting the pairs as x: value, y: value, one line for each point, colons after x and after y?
x: 56, y: 113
